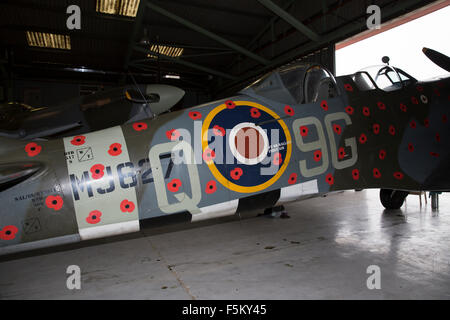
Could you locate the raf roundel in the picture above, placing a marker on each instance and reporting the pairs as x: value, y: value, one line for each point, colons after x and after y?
x: 256, y: 145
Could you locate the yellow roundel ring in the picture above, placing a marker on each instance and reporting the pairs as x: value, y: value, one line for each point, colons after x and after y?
x: 224, y: 181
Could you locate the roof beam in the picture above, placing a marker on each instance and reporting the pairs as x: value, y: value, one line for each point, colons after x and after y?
x: 331, y: 37
x: 271, y: 22
x: 270, y: 25
x: 290, y: 19
x: 134, y: 34
x: 207, y: 33
x: 187, y: 63
x: 177, y: 28
x: 211, y: 6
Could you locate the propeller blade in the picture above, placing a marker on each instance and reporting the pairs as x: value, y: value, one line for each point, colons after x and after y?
x: 438, y: 58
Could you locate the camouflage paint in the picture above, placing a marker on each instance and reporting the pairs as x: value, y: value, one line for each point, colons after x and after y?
x: 361, y: 139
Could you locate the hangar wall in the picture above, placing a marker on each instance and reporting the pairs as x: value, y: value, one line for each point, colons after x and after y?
x: 324, y: 56
x: 46, y: 93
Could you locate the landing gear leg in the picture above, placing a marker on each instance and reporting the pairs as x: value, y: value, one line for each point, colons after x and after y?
x: 434, y: 200
x: 277, y: 212
x: 392, y: 199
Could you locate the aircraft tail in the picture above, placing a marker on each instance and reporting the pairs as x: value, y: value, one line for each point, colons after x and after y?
x: 8, y: 144
x: 13, y: 172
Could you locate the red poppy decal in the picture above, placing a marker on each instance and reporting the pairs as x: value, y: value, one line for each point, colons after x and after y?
x: 173, y: 134
x: 174, y: 185
x: 392, y: 130
x: 277, y: 159
x: 366, y: 111
x: 211, y: 187
x: 414, y: 100
x: 303, y: 131
x: 349, y: 110
x: 329, y: 179
x: 208, y: 155
x: 94, y: 217
x: 403, y: 107
x: 382, y: 154
x: 434, y: 154
x: 341, y: 153
x: 376, y: 173
x: 317, y: 155
x: 413, y: 124
x: 410, y: 147
x: 33, y: 149
x: 115, y: 149
x: 254, y: 113
x: 444, y: 118
x: 139, y: 126
x: 127, y: 206
x: 355, y: 174
x: 218, y: 130
x: 337, y: 128
x: 376, y: 128
x: 419, y: 88
x: 324, y: 105
x: 236, y: 173
x: 398, y: 175
x: 78, y: 140
x: 292, y: 178
x: 288, y: 110
x: 195, y: 115
x: 97, y: 171
x: 438, y: 137
x: 362, y: 138
x: 8, y: 232
x: 426, y: 122
x: 348, y: 87
x: 381, y: 105
x: 54, y: 202
x: 230, y: 104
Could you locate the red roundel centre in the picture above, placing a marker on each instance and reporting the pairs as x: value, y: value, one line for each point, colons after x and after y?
x: 249, y: 142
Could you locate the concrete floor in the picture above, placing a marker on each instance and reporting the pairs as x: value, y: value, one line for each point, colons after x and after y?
x: 321, y: 252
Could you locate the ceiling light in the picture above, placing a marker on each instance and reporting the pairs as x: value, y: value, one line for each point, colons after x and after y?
x: 127, y: 8
x: 173, y: 52
x: 172, y: 76
x: 48, y: 40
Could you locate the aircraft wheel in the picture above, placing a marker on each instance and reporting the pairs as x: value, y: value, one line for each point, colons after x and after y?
x: 392, y: 199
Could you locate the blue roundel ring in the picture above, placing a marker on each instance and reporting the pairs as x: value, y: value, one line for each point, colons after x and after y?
x: 251, y: 144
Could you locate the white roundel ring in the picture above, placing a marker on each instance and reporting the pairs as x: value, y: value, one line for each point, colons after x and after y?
x: 234, y: 143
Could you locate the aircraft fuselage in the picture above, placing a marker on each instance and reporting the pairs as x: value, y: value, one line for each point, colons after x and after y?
x: 221, y: 158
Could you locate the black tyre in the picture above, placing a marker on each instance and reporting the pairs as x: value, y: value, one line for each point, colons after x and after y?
x: 392, y: 199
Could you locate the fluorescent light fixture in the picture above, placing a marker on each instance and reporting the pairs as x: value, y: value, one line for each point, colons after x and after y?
x: 82, y: 69
x: 48, y: 40
x: 127, y: 8
x: 170, y: 51
x: 172, y: 76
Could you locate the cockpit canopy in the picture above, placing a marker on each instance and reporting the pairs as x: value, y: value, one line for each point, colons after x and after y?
x: 297, y: 84
x: 383, y: 77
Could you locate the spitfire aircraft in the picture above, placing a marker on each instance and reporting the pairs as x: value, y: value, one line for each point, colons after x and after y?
x: 87, y: 113
x: 295, y: 133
